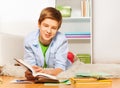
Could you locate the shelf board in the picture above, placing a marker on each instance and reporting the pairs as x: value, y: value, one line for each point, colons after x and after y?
x: 76, y: 19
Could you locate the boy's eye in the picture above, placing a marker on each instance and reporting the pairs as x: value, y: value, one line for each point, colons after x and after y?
x: 54, y: 28
x: 45, y: 25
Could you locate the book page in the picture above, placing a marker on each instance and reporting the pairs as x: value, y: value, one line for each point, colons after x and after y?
x: 27, y: 66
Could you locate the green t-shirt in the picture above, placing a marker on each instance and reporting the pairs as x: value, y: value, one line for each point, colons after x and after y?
x: 44, y: 49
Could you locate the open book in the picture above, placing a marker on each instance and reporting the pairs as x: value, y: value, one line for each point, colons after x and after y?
x: 47, y: 77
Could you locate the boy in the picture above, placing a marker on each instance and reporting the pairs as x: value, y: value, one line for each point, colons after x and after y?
x: 47, y: 47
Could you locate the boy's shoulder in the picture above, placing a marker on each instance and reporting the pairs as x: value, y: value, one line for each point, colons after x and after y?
x: 32, y: 35
x: 60, y: 36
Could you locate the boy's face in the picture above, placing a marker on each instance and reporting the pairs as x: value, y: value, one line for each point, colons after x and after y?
x: 48, y: 29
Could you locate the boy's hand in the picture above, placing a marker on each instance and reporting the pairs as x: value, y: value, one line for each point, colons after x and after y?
x: 29, y: 75
x: 37, y: 68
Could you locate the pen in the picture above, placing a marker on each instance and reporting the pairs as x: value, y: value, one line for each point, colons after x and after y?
x: 21, y: 80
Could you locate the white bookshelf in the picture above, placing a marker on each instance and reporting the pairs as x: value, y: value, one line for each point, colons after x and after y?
x: 77, y: 23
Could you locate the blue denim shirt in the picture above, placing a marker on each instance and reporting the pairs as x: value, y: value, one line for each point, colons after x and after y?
x: 56, y: 55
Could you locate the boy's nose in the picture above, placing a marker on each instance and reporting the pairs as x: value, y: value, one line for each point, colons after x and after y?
x: 49, y: 30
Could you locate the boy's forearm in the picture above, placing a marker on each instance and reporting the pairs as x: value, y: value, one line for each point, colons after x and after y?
x: 54, y: 71
x: 57, y: 71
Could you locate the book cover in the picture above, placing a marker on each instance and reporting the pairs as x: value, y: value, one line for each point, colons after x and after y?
x: 83, y: 8
x: 98, y: 75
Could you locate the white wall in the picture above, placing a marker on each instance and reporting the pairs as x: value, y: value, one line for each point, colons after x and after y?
x: 19, y: 17
x: 106, y: 29
x: 11, y: 46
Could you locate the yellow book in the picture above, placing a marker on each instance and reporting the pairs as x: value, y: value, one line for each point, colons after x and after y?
x: 90, y: 81
x: 82, y: 80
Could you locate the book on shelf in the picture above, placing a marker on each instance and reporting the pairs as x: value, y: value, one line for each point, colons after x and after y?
x: 77, y: 33
x: 47, y: 77
x: 85, y: 8
x: 77, y: 36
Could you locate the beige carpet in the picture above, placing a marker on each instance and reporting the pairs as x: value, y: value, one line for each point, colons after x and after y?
x: 78, y: 67
x: 113, y: 69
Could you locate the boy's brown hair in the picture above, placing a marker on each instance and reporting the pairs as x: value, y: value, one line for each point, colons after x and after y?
x: 51, y: 13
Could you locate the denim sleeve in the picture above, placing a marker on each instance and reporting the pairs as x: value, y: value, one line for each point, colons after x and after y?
x: 61, y: 55
x: 28, y: 54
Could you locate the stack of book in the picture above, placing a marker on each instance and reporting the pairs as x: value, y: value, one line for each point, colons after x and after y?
x: 78, y: 35
x: 98, y: 78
